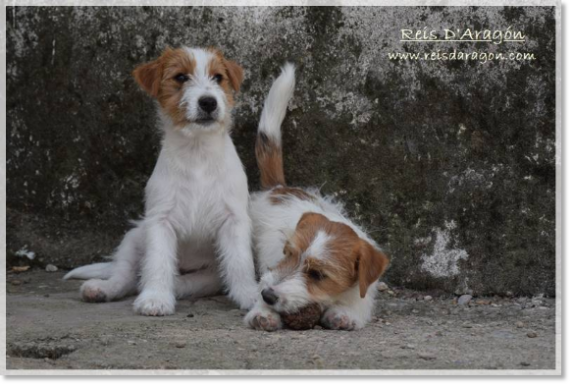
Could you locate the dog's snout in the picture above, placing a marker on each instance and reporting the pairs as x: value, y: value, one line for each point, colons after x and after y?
x: 207, y: 104
x: 269, y: 296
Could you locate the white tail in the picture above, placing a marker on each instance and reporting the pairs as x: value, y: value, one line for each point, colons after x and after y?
x: 276, y: 103
x: 92, y: 271
x: 269, y: 139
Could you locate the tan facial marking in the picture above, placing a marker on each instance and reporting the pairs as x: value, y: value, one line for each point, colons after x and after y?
x: 175, y: 63
x: 290, y: 260
x: 157, y: 78
x: 232, y: 73
x: 349, y: 259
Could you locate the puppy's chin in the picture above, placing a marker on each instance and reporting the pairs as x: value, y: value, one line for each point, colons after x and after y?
x: 194, y: 128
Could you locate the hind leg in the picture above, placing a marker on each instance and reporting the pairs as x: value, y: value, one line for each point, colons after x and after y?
x: 205, y: 282
x: 123, y: 280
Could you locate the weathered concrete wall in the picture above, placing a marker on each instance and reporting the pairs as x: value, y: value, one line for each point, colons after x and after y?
x: 450, y: 164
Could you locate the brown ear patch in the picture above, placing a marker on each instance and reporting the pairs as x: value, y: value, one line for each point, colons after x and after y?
x: 157, y: 78
x: 174, y: 62
x: 149, y: 76
x: 232, y: 72
x: 371, y: 265
x: 216, y: 67
x: 235, y: 74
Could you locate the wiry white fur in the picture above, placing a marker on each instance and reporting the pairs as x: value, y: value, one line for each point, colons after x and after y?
x: 318, y: 248
x: 276, y: 103
x: 201, y: 84
x: 274, y: 224
x: 290, y: 297
x: 350, y: 305
x: 93, y: 271
x: 196, y: 218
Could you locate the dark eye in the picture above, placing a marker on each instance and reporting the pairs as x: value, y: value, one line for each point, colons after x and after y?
x: 181, y: 78
x: 217, y: 78
x: 314, y: 274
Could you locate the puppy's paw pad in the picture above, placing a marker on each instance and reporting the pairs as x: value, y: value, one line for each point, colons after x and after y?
x: 92, y: 291
x: 264, y: 321
x: 335, y: 321
x: 155, y: 305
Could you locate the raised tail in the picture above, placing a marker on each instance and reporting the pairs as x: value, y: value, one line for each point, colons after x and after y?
x: 92, y: 271
x: 269, y: 140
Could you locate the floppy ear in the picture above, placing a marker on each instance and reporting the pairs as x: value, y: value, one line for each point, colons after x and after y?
x: 371, y: 265
x: 235, y: 74
x: 149, y: 75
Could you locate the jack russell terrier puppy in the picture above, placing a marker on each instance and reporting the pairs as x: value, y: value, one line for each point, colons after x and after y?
x: 307, y: 249
x: 196, y: 201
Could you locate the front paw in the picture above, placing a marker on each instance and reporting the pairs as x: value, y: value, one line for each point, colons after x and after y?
x: 245, y: 298
x: 263, y: 320
x: 335, y: 320
x: 155, y: 303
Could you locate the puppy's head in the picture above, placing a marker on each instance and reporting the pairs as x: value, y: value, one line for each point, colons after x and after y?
x: 322, y: 261
x: 194, y: 87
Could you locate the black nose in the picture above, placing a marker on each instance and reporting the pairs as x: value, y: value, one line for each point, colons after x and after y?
x: 207, y: 104
x: 269, y: 296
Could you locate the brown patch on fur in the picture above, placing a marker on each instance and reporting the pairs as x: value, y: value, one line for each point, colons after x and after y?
x: 149, y: 75
x: 279, y: 195
x: 232, y: 73
x: 298, y: 243
x: 290, y: 260
x: 371, y: 265
x: 269, y: 159
x: 349, y: 259
x: 337, y: 277
x: 175, y: 62
x: 337, y: 270
x: 157, y: 78
x: 235, y: 74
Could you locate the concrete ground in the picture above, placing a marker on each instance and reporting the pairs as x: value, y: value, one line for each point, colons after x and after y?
x: 48, y: 327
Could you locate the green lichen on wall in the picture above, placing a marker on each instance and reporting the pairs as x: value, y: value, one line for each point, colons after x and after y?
x: 450, y: 165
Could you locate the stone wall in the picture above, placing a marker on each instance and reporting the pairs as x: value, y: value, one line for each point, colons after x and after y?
x: 450, y: 164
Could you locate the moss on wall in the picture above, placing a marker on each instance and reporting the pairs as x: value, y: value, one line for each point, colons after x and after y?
x: 451, y: 165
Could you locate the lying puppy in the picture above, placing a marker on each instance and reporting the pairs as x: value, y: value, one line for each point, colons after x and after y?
x: 307, y: 250
x: 196, y: 201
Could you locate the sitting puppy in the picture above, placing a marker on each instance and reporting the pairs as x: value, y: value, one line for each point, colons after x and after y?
x: 196, y: 201
x: 307, y: 250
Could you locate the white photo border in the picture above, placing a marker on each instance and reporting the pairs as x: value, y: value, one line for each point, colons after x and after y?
x: 559, y: 213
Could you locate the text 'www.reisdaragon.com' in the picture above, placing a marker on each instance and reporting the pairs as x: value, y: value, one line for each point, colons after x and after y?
x: 477, y: 56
